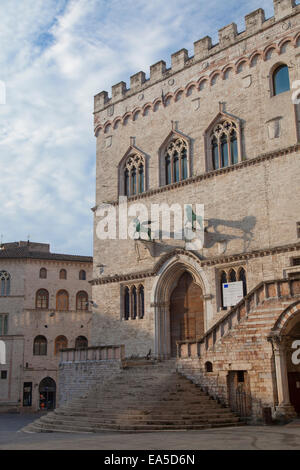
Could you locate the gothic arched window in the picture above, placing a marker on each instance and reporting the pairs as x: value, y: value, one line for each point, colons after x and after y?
x: 232, y: 276
x: 61, y: 342
x: 133, y: 298
x: 4, y: 283
x: 134, y: 180
x: 134, y: 303
x: 281, y: 79
x: 40, y: 346
x: 42, y: 299
x: 62, y: 301
x: 82, y: 301
x: 176, y: 161
x: 141, y: 302
x: 126, y: 304
x: 242, y: 277
x: 223, y: 280
x: 224, y: 145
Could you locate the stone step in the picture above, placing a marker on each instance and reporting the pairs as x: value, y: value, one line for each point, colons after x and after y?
x: 140, y: 399
x: 154, y: 414
x: 129, y: 428
x: 148, y: 421
x: 147, y: 405
x: 165, y: 414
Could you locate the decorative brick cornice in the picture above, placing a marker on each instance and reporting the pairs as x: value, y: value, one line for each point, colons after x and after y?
x: 220, y: 260
x: 112, y: 125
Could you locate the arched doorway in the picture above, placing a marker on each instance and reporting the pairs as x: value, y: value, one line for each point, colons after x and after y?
x: 169, y: 273
x: 186, y: 311
x: 293, y: 366
x: 285, y: 339
x: 47, y: 391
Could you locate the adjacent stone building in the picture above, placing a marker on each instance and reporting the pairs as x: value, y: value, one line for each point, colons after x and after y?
x: 221, y: 128
x: 45, y: 305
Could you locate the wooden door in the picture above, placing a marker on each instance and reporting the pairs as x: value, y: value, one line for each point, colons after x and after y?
x: 294, y: 388
x: 186, y: 312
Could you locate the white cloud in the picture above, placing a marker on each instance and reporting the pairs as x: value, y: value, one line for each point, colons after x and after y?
x: 54, y: 56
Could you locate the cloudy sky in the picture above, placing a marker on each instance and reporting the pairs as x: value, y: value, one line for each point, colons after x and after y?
x: 55, y: 55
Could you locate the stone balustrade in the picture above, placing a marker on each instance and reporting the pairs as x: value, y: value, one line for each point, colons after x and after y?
x: 265, y: 291
x: 96, y: 353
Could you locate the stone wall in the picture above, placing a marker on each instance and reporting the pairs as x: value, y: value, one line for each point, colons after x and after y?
x: 251, y: 208
x: 25, y: 322
x: 241, y: 342
x: 78, y: 379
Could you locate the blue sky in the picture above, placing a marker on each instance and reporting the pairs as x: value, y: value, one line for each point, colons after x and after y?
x: 55, y: 55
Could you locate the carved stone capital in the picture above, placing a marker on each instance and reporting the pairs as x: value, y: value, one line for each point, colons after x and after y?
x: 279, y: 343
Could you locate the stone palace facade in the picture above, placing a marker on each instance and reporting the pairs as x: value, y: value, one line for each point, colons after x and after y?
x: 222, y: 129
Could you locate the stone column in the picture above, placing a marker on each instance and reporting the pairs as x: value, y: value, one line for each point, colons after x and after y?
x: 158, y: 314
x: 162, y: 330
x: 284, y: 408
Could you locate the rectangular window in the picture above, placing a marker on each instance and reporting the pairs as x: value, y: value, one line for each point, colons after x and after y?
x: 3, y: 324
x: 298, y: 229
x: 295, y: 261
x: 4, y: 374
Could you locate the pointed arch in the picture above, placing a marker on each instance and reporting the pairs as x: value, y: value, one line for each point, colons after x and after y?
x: 174, y: 159
x: 223, y: 142
x: 132, y: 172
x: 168, y: 275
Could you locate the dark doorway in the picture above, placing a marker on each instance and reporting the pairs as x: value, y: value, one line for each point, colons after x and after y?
x: 294, y: 388
x: 186, y: 312
x: 47, y: 390
x: 240, y: 400
x: 27, y: 394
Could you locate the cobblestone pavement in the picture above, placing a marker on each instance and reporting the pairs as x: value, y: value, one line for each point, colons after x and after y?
x: 245, y: 438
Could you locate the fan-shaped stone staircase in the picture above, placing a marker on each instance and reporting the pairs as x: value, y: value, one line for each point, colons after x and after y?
x: 145, y: 397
